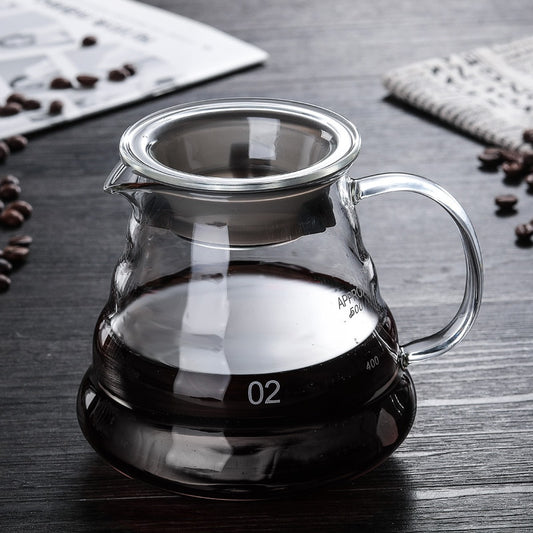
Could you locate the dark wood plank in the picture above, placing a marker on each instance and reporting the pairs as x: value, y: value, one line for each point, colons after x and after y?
x: 467, y: 464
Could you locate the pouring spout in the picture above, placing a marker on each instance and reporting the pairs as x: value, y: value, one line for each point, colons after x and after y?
x: 119, y: 179
x: 123, y: 180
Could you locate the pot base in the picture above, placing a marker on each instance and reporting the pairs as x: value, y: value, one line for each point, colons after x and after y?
x: 241, y: 460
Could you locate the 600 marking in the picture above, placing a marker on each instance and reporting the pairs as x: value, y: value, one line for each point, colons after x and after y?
x: 256, y: 392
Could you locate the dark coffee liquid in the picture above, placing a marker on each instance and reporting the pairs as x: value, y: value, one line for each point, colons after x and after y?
x: 279, y: 414
x: 258, y: 341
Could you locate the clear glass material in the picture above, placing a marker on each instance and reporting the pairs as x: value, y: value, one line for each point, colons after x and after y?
x: 245, y: 350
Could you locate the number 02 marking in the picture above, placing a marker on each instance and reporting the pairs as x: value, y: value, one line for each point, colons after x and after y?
x: 256, y: 392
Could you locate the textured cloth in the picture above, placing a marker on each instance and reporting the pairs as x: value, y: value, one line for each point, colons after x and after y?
x: 486, y: 92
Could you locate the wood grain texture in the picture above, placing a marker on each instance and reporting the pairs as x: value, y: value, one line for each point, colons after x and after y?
x: 467, y: 464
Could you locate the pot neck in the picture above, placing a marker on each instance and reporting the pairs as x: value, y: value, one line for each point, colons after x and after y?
x: 233, y: 219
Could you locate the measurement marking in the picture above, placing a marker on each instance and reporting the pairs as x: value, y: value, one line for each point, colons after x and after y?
x: 256, y: 392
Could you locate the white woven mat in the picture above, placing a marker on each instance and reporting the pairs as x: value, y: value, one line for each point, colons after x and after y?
x: 487, y: 92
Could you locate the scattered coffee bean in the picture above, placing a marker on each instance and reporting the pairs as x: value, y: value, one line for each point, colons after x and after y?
x: 60, y: 83
x: 4, y: 151
x: 31, y: 104
x: 13, y: 108
x: 86, y: 80
x: 89, y: 40
x: 5, y: 283
x: 18, y: 98
x: 117, y: 74
x: 527, y: 161
x: 527, y: 136
x: 23, y: 207
x: 11, y: 218
x: 491, y: 157
x: 130, y: 69
x: 517, y: 166
x: 5, y: 266
x: 55, y: 107
x: 512, y: 169
x: 9, y: 178
x: 16, y: 142
x: 16, y: 211
x: 20, y: 240
x: 524, y: 232
x: 511, y: 155
x: 10, y: 191
x: 529, y: 182
x: 16, y: 254
x: 506, y: 202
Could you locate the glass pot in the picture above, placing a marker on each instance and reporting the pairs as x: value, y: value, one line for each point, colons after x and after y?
x: 245, y: 349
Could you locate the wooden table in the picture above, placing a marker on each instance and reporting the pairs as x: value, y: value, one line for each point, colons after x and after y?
x: 467, y: 465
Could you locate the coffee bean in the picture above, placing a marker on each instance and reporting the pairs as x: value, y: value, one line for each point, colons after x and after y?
x: 529, y: 181
x: 18, y: 98
x: 24, y: 208
x: 31, y: 104
x: 513, y: 169
x: 130, y: 69
x: 60, y: 83
x: 87, y: 80
x: 4, y: 151
x: 16, y: 254
x: 527, y: 135
x: 9, y: 178
x: 11, y: 218
x: 5, y: 266
x: 20, y: 240
x: 506, y: 201
x: 89, y: 40
x: 9, y: 191
x: 5, y: 283
x: 117, y: 74
x: 527, y: 161
x: 16, y: 142
x: 524, y: 232
x: 491, y: 157
x: 511, y: 155
x: 55, y: 107
x: 2, y: 205
x: 13, y: 108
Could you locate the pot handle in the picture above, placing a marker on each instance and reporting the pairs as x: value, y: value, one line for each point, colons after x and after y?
x: 450, y: 335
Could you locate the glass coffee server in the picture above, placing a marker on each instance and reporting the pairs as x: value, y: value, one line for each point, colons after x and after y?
x: 245, y: 350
